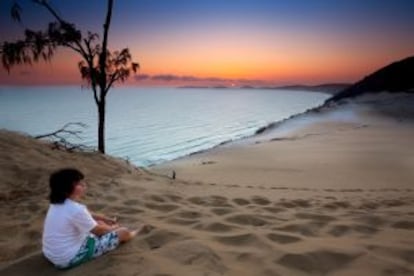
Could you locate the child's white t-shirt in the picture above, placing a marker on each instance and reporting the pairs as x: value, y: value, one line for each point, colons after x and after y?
x: 66, y: 227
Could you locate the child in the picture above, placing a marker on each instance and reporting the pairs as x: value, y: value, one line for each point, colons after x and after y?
x: 72, y: 235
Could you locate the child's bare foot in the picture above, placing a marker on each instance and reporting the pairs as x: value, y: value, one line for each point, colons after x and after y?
x: 146, y: 228
x: 132, y: 233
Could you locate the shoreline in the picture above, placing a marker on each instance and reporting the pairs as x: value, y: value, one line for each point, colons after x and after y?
x: 343, y: 111
x: 331, y: 197
x: 258, y: 132
x: 352, y: 117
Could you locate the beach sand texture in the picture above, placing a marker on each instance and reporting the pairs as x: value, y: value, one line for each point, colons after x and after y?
x: 333, y: 197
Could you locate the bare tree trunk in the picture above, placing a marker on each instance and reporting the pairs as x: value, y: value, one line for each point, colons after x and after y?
x: 101, y: 126
x: 102, y: 79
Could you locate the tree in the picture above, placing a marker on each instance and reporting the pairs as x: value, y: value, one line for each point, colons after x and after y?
x: 100, y: 67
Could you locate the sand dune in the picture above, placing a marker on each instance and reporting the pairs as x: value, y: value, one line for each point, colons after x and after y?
x: 331, y: 198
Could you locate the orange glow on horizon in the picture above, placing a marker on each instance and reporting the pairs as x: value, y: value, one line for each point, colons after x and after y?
x: 271, y: 42
x: 307, y: 65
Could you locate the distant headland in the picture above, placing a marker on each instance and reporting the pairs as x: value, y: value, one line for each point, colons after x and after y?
x: 330, y: 88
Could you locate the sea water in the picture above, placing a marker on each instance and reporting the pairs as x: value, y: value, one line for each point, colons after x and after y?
x: 152, y: 125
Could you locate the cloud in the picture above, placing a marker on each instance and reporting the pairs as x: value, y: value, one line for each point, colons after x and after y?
x: 142, y: 77
x: 216, y: 79
x: 171, y: 77
x: 165, y: 77
x: 191, y: 79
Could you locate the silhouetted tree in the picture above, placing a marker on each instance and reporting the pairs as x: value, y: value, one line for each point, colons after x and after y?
x: 100, y: 67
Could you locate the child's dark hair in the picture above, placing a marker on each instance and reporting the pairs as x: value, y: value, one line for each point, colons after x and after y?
x: 62, y: 183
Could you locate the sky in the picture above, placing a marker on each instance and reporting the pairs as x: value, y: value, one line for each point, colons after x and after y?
x: 228, y: 42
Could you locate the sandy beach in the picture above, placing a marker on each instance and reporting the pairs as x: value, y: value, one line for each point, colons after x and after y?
x: 329, y: 192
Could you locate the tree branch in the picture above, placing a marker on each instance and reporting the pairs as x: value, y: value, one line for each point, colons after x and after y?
x: 61, y: 21
x: 61, y: 142
x: 114, y: 78
x: 64, y: 130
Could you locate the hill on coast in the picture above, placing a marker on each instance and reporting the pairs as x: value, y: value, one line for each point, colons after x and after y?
x: 395, y: 77
x: 330, y: 88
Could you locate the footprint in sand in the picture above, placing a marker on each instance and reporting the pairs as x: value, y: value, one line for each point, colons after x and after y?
x: 34, y: 235
x: 234, y: 186
x: 161, y: 207
x: 156, y: 198
x: 96, y: 206
x: 406, y: 255
x: 247, y: 219
x: 33, y: 206
x: 337, y: 205
x: 369, y: 205
x: 25, y: 216
x: 195, y: 254
x: 371, y: 220
x: 364, y: 229
x: 111, y: 198
x: 173, y: 198
x: 239, y: 240
x: 251, y: 257
x: 125, y: 210
x: 398, y: 270
x: 105, y: 185
x: 286, y: 204
x: 241, y: 201
x: 214, y: 201
x: 159, y: 238
x: 215, y: 227
x: 393, y: 203
x: 222, y: 211
x: 404, y: 224
x: 351, y: 190
x: 282, y: 239
x: 339, y: 230
x: 305, y: 229
x: 179, y: 221
x: 185, y: 218
x: 317, y: 262
x: 131, y: 202
x: 279, y: 188
x: 190, y: 214
x: 316, y: 217
x: 260, y: 200
x: 303, y: 203
x: 274, y: 210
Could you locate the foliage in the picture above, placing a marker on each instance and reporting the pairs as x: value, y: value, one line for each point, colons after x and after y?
x: 100, y: 67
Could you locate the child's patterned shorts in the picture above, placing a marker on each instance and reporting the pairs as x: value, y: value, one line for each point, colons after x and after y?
x: 94, y: 246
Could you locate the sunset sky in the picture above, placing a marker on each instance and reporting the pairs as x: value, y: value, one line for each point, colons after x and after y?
x: 229, y: 42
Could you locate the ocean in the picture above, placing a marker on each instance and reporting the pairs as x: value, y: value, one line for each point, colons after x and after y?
x: 149, y: 126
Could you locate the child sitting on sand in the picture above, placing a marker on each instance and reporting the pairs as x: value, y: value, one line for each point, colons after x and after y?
x: 72, y: 235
